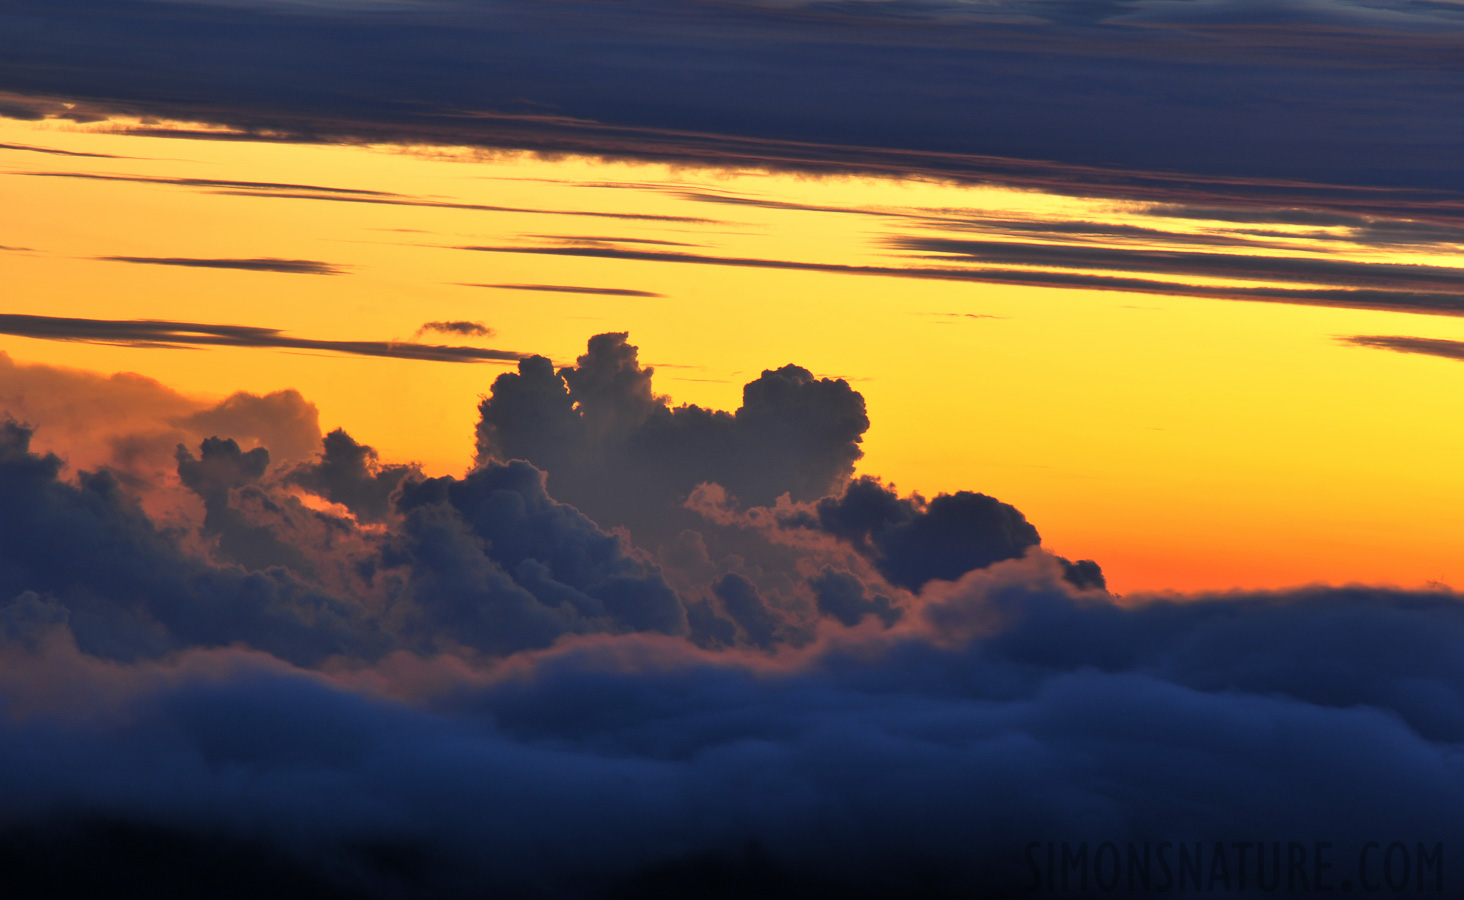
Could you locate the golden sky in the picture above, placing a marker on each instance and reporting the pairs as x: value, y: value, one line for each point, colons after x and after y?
x: 1183, y: 442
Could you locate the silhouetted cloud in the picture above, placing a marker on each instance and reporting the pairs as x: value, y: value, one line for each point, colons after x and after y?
x: 568, y: 289
x: 809, y: 86
x: 155, y: 334
x: 462, y: 328
x: 1364, y: 298
x: 262, y: 186
x: 267, y: 264
x: 1430, y: 346
x: 54, y: 152
x: 1176, y: 263
x: 480, y: 690
x: 350, y: 474
x: 912, y: 541
x: 284, y: 191
x: 625, y: 456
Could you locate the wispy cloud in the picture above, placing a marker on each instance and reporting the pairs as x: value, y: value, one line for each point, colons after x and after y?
x: 1357, y: 298
x: 1249, y: 266
x: 261, y: 264
x: 285, y: 191
x: 29, y: 149
x: 152, y: 333
x: 1430, y: 346
x: 563, y: 288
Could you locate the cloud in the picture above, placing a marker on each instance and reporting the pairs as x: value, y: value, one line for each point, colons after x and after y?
x: 1398, y: 299
x: 266, y: 187
x: 285, y: 191
x: 151, y: 333
x: 500, y: 566
x: 464, y: 329
x: 1431, y: 346
x: 621, y: 453
x: 470, y: 686
x: 49, y: 150
x: 822, y: 87
x: 568, y: 289
x: 286, y: 266
x: 350, y: 474
x: 1178, y: 263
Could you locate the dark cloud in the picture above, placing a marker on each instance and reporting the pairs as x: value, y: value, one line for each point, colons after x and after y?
x: 568, y: 289
x: 268, y: 264
x: 1178, y: 263
x: 916, y: 763
x: 499, y: 565
x: 591, y: 239
x: 351, y: 195
x: 154, y: 334
x: 350, y: 474
x: 127, y: 589
x: 1399, y: 299
x: 54, y: 152
x: 220, y: 471
x: 463, y: 328
x: 480, y: 691
x: 1431, y: 346
x: 263, y: 186
x: 625, y: 456
x: 912, y: 541
x: 1333, y: 93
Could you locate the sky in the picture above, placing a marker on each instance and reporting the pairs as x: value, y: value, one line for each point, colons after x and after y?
x: 637, y: 448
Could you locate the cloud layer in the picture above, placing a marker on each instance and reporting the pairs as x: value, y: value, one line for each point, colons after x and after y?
x: 333, y: 676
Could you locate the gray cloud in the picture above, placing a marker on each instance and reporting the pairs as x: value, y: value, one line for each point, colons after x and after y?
x: 1247, y: 266
x: 1361, y: 298
x: 1430, y: 346
x: 153, y: 333
x: 48, y: 150
x: 262, y: 264
x: 465, y: 329
x: 567, y: 289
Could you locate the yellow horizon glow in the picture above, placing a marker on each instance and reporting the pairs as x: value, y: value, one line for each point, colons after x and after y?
x: 1185, y: 444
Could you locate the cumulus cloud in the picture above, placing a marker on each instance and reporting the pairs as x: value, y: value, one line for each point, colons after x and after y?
x: 625, y: 456
x: 465, y: 685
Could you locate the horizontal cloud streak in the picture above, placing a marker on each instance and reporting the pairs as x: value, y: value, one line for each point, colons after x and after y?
x: 1174, y: 263
x: 354, y: 195
x: 1431, y: 346
x: 260, y: 264
x: 161, y: 334
x: 1359, y: 298
x: 567, y: 289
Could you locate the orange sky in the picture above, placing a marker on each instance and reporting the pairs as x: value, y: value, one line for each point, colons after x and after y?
x: 1183, y: 443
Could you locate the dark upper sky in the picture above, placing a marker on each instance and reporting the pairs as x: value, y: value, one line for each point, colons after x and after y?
x: 1333, y: 92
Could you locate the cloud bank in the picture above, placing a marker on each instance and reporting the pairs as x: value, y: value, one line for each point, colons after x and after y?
x: 557, y: 676
x: 1106, y: 94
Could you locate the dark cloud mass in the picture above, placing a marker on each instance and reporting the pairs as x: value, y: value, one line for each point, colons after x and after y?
x: 336, y: 677
x: 621, y: 453
x: 1330, y: 93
